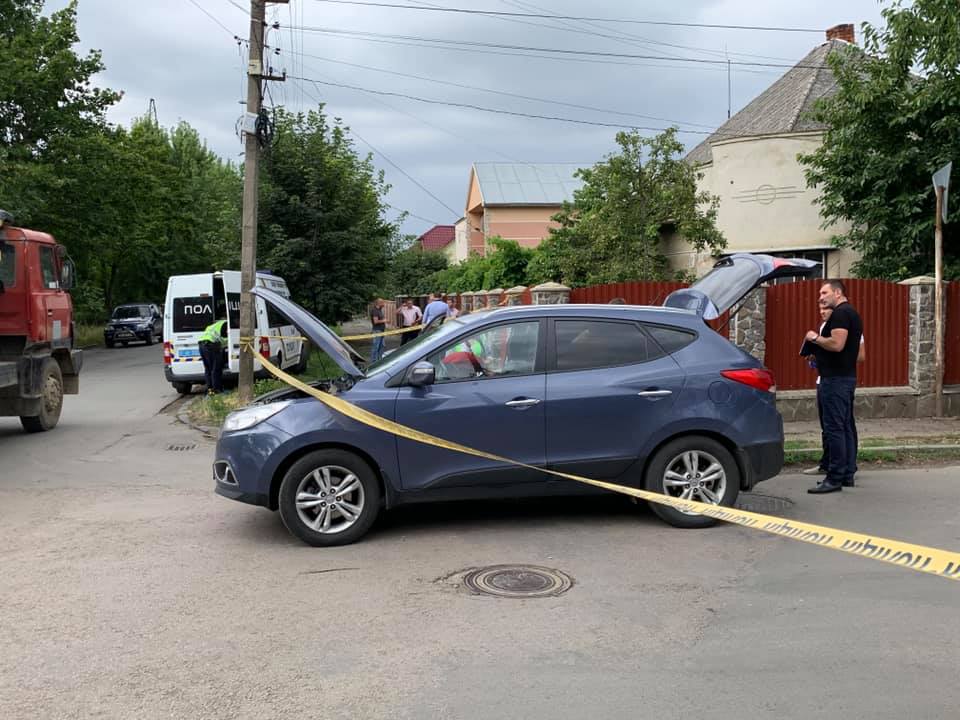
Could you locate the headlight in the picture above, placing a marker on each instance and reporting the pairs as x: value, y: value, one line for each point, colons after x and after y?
x: 248, y: 417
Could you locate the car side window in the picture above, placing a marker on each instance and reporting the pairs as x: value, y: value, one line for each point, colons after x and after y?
x: 588, y: 344
x: 671, y: 339
x: 498, y: 351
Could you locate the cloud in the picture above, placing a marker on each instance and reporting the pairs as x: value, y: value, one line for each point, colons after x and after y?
x: 191, y: 66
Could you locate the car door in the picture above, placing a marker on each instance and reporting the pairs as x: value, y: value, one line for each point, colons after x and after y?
x: 609, y: 386
x: 489, y: 394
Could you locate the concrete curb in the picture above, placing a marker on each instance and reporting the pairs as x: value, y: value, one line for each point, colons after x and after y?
x: 183, y: 417
x: 883, y: 448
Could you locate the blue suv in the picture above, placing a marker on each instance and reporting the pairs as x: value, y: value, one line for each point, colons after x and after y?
x: 643, y: 396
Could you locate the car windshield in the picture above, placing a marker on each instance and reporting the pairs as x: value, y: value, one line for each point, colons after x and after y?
x: 131, y: 311
x: 401, y: 355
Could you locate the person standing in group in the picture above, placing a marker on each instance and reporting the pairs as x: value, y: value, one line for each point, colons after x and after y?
x: 378, y: 324
x: 408, y: 315
x: 435, y: 308
x: 836, y: 349
x: 452, y: 310
x: 821, y: 467
x: 211, y: 352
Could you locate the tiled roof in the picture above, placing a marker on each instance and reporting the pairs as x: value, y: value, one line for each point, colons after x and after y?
x: 784, y: 107
x: 526, y: 183
x: 437, y: 237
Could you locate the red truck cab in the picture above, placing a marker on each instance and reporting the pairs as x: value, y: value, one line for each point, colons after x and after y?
x: 38, y: 360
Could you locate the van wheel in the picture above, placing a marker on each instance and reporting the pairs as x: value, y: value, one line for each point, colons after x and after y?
x: 693, y: 468
x: 329, y: 497
x: 51, y: 399
x: 183, y: 388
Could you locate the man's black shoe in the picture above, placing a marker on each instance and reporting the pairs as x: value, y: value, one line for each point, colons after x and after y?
x: 823, y: 488
x: 849, y: 483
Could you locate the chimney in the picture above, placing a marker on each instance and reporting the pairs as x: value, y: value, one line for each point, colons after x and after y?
x: 842, y: 32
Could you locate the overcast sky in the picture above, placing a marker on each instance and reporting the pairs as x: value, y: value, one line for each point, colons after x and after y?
x: 171, y: 51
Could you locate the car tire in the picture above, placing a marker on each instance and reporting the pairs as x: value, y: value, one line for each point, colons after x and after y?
x: 124, y: 343
x: 183, y: 388
x: 149, y: 339
x: 309, y: 478
x: 110, y: 343
x: 679, y: 456
x: 51, y: 399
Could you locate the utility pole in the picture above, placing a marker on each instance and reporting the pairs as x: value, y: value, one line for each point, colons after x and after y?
x: 251, y: 168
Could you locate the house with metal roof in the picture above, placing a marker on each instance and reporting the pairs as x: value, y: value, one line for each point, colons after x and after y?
x: 751, y: 164
x: 514, y: 201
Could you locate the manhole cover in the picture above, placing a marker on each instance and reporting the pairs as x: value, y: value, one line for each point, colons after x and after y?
x: 181, y: 448
x: 754, y: 502
x: 518, y: 581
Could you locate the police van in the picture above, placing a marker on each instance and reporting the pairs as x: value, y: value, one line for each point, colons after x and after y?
x: 195, y: 301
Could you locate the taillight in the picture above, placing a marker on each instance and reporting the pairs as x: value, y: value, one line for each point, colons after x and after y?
x: 265, y: 347
x: 167, y: 353
x: 759, y: 378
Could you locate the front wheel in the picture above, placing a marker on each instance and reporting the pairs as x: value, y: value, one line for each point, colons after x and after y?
x: 51, y: 399
x: 693, y: 468
x: 149, y: 340
x: 329, y: 497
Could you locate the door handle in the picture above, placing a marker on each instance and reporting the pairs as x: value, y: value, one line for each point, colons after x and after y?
x: 525, y: 403
x: 655, y: 393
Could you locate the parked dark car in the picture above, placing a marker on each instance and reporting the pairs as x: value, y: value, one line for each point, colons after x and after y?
x: 643, y: 396
x: 134, y: 322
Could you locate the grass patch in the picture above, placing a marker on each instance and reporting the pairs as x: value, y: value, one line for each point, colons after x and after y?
x: 882, y: 457
x: 89, y: 335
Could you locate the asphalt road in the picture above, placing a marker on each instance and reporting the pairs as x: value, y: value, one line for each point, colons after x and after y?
x: 128, y: 589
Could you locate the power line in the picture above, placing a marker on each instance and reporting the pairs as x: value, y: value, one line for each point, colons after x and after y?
x: 383, y: 155
x: 202, y: 9
x: 458, y: 44
x: 502, y: 92
x: 550, y: 16
x: 498, y: 111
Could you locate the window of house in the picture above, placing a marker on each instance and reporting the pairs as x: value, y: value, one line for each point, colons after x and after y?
x: 819, y: 255
x: 588, y: 344
x: 497, y: 351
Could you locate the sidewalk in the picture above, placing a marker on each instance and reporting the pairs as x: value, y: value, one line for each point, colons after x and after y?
x: 887, y: 428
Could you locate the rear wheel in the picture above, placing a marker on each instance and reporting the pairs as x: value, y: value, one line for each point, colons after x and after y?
x: 183, y: 388
x: 329, y: 497
x: 693, y: 468
x: 51, y: 399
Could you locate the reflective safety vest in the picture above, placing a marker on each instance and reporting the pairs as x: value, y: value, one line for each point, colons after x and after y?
x: 476, y: 347
x: 213, y: 332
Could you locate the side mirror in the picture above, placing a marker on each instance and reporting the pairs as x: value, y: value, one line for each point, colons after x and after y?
x: 67, y: 275
x: 421, y: 375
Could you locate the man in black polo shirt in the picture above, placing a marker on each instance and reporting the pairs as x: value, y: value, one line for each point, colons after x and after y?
x: 836, y: 348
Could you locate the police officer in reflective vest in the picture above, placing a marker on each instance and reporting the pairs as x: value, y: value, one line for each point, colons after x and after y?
x: 211, y: 351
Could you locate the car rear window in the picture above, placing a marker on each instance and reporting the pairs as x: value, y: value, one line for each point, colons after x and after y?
x: 587, y: 344
x: 671, y: 339
x: 192, y: 314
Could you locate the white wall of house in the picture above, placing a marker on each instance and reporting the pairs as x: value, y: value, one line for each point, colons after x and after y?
x: 765, y: 205
x: 459, y: 249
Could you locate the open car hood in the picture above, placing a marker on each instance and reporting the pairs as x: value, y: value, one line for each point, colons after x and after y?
x: 732, y: 278
x: 320, y: 335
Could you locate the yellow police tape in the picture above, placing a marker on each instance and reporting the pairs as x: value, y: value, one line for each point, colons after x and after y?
x: 366, y: 336
x: 942, y: 563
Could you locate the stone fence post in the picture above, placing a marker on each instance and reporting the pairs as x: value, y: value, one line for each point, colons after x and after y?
x: 748, y: 328
x: 493, y: 297
x: 922, y: 358
x: 515, y: 295
x: 550, y: 293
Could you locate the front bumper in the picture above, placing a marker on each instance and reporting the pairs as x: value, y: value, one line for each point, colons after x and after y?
x: 244, y: 464
x: 126, y: 334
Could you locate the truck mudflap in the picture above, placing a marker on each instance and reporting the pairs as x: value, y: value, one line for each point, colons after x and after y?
x: 70, y: 366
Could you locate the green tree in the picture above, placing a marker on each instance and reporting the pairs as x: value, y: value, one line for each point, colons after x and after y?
x: 321, y: 220
x: 46, y: 89
x: 894, y: 119
x: 410, y: 268
x: 612, y: 231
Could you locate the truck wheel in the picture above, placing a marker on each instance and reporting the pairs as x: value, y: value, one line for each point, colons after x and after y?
x: 183, y: 388
x: 51, y: 391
